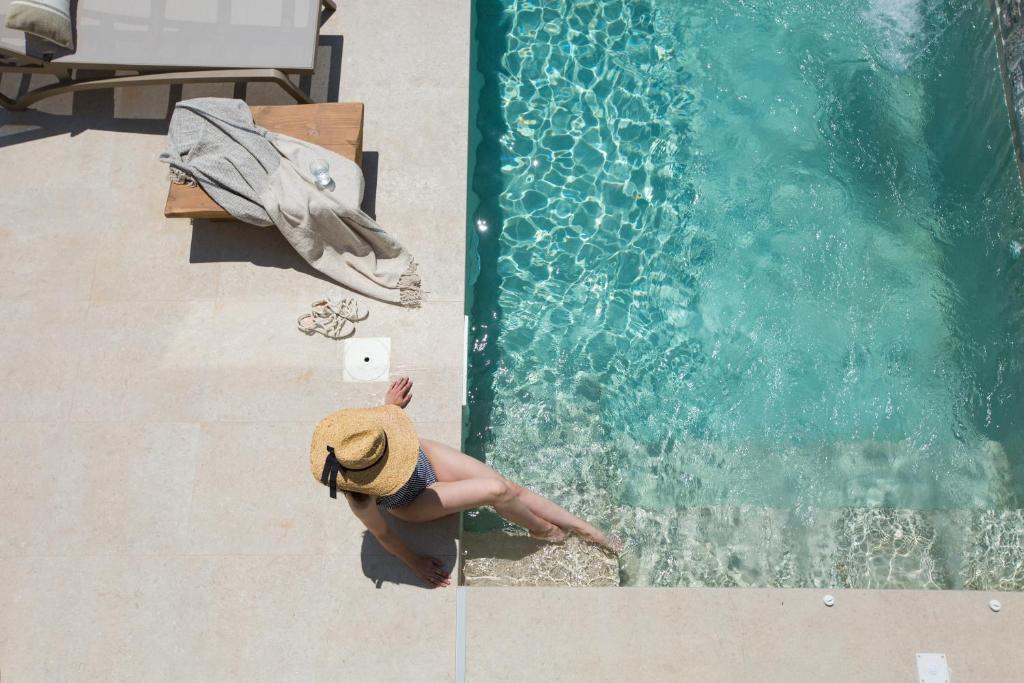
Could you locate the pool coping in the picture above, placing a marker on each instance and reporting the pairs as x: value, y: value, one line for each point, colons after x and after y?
x: 1010, y: 51
x: 738, y: 634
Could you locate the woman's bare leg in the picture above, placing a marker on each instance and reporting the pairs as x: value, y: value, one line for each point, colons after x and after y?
x: 448, y: 497
x: 451, y: 465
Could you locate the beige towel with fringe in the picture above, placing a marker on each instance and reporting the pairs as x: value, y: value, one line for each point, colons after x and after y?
x: 328, y: 228
x: 264, y: 178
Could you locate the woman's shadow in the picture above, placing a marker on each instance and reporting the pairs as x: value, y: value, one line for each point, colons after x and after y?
x: 436, y: 539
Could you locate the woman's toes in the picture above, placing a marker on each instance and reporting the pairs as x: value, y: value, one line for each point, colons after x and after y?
x: 607, y: 541
x: 615, y: 544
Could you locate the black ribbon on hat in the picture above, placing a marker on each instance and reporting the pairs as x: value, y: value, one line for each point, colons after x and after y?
x: 332, y: 466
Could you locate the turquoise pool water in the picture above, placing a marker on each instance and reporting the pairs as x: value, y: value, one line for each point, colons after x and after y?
x: 744, y: 290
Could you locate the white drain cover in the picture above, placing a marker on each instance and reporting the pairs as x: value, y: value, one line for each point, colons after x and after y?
x: 367, y: 359
x: 932, y: 668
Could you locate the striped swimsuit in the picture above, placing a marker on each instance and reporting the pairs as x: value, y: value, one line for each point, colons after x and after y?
x: 422, y: 477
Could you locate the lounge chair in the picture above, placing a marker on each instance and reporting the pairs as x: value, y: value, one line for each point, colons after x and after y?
x: 335, y: 126
x: 189, y: 41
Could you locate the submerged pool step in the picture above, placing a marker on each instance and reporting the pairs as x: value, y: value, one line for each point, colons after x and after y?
x: 828, y: 548
x: 844, y: 474
x: 755, y: 546
x: 500, y: 559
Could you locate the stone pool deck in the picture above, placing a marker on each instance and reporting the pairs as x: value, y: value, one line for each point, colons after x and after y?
x: 157, y: 518
x: 729, y: 635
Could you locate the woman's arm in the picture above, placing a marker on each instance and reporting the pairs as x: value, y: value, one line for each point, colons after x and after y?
x: 366, y: 510
x: 427, y: 568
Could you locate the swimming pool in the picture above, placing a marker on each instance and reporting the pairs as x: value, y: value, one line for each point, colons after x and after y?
x: 744, y: 290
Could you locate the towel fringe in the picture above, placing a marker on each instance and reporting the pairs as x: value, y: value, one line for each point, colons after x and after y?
x: 409, y: 287
x: 181, y: 177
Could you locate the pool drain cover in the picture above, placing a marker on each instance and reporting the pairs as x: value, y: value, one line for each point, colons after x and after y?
x: 367, y: 359
x: 932, y: 668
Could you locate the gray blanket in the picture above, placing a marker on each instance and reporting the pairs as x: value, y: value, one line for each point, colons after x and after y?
x: 264, y: 178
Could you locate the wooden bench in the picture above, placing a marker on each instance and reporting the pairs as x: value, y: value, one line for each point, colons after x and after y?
x: 337, y: 127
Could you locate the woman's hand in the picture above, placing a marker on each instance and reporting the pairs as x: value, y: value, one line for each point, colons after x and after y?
x: 399, y: 393
x: 430, y: 570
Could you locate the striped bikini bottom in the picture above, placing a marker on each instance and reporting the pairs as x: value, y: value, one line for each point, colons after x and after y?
x: 422, y: 477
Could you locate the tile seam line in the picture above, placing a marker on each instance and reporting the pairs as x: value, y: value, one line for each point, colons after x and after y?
x: 460, y: 634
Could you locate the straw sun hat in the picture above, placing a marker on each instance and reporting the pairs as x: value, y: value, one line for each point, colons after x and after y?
x: 364, y: 450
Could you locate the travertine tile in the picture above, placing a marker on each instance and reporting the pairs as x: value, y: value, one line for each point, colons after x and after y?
x: 423, y: 49
x: 163, y: 618
x: 138, y: 158
x: 441, y: 261
x: 435, y: 393
x: 141, y: 393
x: 254, y: 493
x: 446, y: 432
x: 258, y: 618
x: 53, y: 213
x: 419, y: 174
x: 436, y: 155
x: 47, y: 606
x: 288, y: 394
x: 48, y: 248
x: 136, y: 486
x: 40, y: 490
x: 306, y: 395
x: 149, y: 265
x: 142, y: 180
x: 61, y: 156
x: 417, y: 334
x: 257, y: 264
x: 35, y: 393
x: 144, y: 362
x: 220, y: 618
x: 263, y: 334
x: 39, y: 356
x: 159, y: 521
x: 164, y: 335
x: 734, y: 635
x: 412, y: 636
x: 39, y: 269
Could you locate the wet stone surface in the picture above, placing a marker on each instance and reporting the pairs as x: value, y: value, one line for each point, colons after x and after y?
x: 498, y: 559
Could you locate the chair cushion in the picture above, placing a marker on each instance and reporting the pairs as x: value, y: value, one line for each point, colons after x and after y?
x: 172, y: 35
x: 48, y: 19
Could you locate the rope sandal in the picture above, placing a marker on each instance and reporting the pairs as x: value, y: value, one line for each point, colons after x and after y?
x: 332, y: 328
x: 350, y: 309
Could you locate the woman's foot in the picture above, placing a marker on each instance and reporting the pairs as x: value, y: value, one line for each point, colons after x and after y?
x: 399, y: 393
x: 609, y: 542
x: 553, y: 535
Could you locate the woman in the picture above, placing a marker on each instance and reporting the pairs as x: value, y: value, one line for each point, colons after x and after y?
x: 375, y: 457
